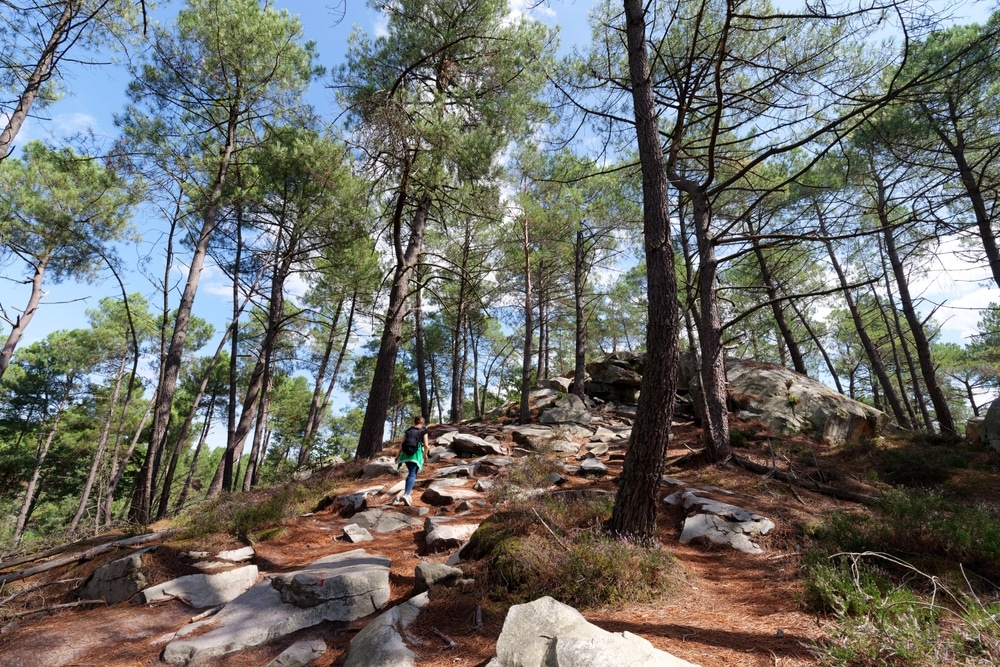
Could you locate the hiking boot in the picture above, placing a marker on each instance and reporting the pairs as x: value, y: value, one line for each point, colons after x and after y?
x: 407, y: 500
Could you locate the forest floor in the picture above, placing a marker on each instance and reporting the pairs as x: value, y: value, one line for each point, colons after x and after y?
x: 731, y: 610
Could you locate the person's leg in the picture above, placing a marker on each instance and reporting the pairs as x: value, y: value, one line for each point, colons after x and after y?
x: 411, y: 478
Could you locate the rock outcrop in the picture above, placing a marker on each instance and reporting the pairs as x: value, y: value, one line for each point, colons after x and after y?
x: 791, y: 403
x: 548, y: 633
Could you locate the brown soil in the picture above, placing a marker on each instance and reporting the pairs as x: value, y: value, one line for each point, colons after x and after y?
x: 734, y: 610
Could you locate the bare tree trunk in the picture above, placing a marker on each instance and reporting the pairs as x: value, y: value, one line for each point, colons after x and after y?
x: 17, y: 326
x: 143, y: 494
x: 120, y: 465
x: 525, y: 411
x: 41, y: 73
x: 257, y: 450
x: 457, y: 370
x: 418, y: 344
x: 777, y: 310
x: 373, y: 427
x: 102, y: 443
x: 634, y: 513
x: 580, y: 338
x: 206, y: 427
x: 804, y: 321
x: 40, y: 453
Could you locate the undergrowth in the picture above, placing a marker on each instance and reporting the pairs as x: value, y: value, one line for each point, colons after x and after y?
x: 248, y: 519
x: 910, y: 583
x: 553, y: 544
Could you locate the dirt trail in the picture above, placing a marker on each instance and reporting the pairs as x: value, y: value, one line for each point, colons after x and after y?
x: 736, y: 609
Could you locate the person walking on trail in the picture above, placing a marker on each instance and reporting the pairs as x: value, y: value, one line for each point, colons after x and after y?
x: 411, y: 453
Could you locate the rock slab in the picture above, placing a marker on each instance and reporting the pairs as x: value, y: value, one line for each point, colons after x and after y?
x: 205, y: 590
x: 381, y: 642
x: 548, y: 633
x: 260, y: 615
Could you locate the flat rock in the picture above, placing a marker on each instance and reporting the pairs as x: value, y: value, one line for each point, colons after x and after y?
x: 381, y: 521
x: 465, y: 443
x: 465, y: 470
x: 441, y: 533
x: 532, y: 437
x: 337, y: 577
x: 440, y: 495
x: 592, y: 466
x: 722, y: 523
x: 205, y: 590
x: 383, y: 465
x: 354, y: 533
x: 435, y: 574
x: 300, y: 654
x: 260, y: 615
x: 381, y: 642
x: 548, y: 633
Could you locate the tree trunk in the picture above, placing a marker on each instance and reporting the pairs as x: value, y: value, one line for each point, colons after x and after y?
x: 777, y: 310
x: 525, y: 411
x: 315, y: 417
x: 258, y: 448
x: 18, y: 326
x: 41, y: 452
x: 713, y: 362
x: 143, y: 493
x: 924, y: 358
x: 580, y: 338
x: 418, y: 345
x: 41, y: 73
x: 457, y: 367
x: 121, y: 465
x: 373, y: 427
x: 866, y: 342
x: 819, y: 346
x: 206, y: 427
x: 102, y: 443
x: 634, y: 513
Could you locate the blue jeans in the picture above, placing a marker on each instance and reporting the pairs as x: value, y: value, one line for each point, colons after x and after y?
x: 411, y: 478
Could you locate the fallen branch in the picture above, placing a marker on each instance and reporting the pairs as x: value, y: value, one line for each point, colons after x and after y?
x: 561, y: 543
x: 811, y: 485
x: 35, y: 588
x: 57, y: 607
x: 692, y: 453
x: 88, y: 554
x: 451, y: 643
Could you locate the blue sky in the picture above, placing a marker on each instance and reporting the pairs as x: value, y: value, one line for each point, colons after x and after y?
x: 97, y: 93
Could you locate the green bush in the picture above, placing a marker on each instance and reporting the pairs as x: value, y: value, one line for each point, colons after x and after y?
x: 242, y: 516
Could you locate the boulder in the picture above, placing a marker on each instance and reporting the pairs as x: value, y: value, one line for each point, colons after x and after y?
x: 380, y: 521
x: 440, y: 493
x: 441, y: 533
x: 118, y: 580
x: 991, y: 426
x: 465, y: 443
x: 260, y: 615
x: 720, y: 523
x: 354, y: 533
x: 593, y: 467
x: 435, y: 574
x: 380, y: 643
x: 548, y: 633
x: 567, y: 409
x: 534, y: 438
x: 204, y: 590
x: 300, y: 654
x: 616, y: 378
x: 383, y: 465
x: 791, y: 403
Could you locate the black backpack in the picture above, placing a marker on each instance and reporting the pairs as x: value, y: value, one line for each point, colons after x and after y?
x: 411, y: 440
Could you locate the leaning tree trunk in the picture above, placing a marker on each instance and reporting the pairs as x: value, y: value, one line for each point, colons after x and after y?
x: 777, y: 310
x: 924, y: 358
x: 143, y: 494
x: 18, y: 326
x: 373, y: 427
x: 634, y: 513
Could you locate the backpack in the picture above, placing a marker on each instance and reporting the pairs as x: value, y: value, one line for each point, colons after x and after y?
x: 411, y: 440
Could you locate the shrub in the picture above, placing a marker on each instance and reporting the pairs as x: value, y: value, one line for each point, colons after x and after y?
x: 244, y: 517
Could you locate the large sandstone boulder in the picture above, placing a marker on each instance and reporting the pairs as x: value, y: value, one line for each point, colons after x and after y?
x: 569, y: 409
x: 616, y: 377
x: 791, y: 403
x: 548, y: 633
x: 990, y: 428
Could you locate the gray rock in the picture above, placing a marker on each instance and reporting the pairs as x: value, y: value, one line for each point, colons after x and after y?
x: 380, y: 643
x: 354, y: 533
x: 560, y: 384
x: 300, y: 654
x: 483, y: 485
x: 991, y: 426
x: 442, y: 533
x: 381, y: 521
x: 358, y: 500
x: 791, y: 403
x: 464, y: 443
x: 383, y: 465
x: 568, y: 409
x: 204, y: 590
x: 597, y: 448
x: 547, y: 633
x: 532, y: 437
x: 337, y: 577
x: 440, y: 494
x: 593, y: 466
x: 236, y: 555
x: 118, y: 580
x: 559, y: 446
x: 259, y: 615
x: 615, y: 378
x: 722, y: 523
x: 435, y: 574
x: 465, y: 470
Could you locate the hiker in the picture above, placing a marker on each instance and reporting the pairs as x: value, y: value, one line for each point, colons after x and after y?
x: 411, y: 452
